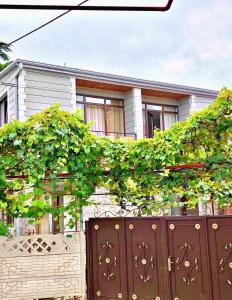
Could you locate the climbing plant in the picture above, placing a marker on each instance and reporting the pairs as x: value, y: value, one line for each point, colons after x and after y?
x: 34, y: 152
x: 54, y: 152
x: 142, y: 171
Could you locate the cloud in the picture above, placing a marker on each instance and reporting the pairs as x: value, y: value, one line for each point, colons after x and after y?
x: 191, y: 44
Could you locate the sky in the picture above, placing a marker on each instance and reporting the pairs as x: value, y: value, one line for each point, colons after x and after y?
x: 191, y: 44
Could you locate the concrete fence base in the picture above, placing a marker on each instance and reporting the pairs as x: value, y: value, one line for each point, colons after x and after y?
x: 43, y: 266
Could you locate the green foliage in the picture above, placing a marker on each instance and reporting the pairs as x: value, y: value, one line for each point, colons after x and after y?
x: 5, y: 230
x: 203, y: 138
x: 4, y: 65
x: 47, y: 144
x: 4, y: 49
x: 55, y: 142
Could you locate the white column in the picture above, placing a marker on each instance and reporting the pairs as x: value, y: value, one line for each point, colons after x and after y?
x: 138, y: 112
x: 22, y: 96
x: 134, y: 112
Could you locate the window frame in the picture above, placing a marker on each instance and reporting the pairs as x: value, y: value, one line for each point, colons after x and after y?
x: 161, y: 112
x: 105, y: 106
x: 4, y: 106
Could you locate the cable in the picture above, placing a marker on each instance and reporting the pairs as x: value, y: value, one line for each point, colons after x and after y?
x: 8, y: 84
x: 45, y: 24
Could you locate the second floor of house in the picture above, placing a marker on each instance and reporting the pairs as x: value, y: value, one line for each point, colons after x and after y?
x: 119, y: 106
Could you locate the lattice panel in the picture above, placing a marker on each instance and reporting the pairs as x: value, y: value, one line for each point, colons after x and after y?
x: 39, y: 245
x: 43, y: 267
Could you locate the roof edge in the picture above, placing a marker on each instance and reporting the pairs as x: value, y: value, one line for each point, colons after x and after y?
x: 9, y: 68
x: 116, y: 79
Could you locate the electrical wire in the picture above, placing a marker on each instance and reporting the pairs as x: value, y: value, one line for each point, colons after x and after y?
x: 45, y: 24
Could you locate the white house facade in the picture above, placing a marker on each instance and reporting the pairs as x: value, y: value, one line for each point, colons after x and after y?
x: 37, y: 264
x: 136, y: 105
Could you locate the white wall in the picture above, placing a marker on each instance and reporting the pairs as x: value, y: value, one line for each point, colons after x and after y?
x: 43, y: 89
x: 159, y: 100
x: 184, y: 108
x: 199, y: 103
x: 9, y: 91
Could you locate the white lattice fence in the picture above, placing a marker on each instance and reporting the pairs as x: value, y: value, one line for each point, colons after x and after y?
x: 42, y: 266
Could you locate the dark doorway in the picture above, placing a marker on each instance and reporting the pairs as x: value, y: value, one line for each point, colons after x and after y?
x: 154, y: 122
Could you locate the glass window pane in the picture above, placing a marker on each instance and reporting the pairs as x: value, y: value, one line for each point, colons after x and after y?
x: 157, y: 121
x: 94, y: 100
x: 171, y: 108
x: 169, y: 119
x: 80, y: 106
x: 114, y: 102
x: 3, y: 112
x: 80, y: 98
x: 144, y: 124
x: 115, y: 120
x: 154, y: 121
x: 96, y: 114
x: 154, y: 107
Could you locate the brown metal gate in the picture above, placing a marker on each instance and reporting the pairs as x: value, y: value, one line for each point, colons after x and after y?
x: 173, y: 258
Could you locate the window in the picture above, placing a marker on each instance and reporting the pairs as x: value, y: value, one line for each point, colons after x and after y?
x: 107, y: 115
x: 3, y: 112
x: 157, y: 116
x: 54, y: 224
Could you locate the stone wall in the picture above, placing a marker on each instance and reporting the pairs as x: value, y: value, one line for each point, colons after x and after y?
x: 42, y: 266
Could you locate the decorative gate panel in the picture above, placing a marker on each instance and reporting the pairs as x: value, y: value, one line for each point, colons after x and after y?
x: 220, y: 246
x: 108, y: 260
x: 187, y: 261
x: 181, y: 258
x: 145, y: 259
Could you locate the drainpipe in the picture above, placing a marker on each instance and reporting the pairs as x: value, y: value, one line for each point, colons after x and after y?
x: 17, y: 91
x: 17, y: 221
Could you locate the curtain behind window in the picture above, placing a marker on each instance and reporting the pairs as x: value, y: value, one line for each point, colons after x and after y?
x: 169, y: 119
x: 96, y: 114
x: 114, y: 117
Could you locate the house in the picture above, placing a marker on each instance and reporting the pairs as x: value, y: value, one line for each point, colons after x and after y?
x: 120, y: 106
x: 42, y: 265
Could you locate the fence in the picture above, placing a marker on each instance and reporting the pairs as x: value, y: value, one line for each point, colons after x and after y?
x: 42, y: 266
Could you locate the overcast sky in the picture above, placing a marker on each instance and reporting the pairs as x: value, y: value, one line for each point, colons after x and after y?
x: 191, y: 44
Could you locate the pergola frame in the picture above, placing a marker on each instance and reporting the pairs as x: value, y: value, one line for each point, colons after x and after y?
x: 176, y: 168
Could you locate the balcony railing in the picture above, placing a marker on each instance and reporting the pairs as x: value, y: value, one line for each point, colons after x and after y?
x: 147, y: 136
x: 116, y: 135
